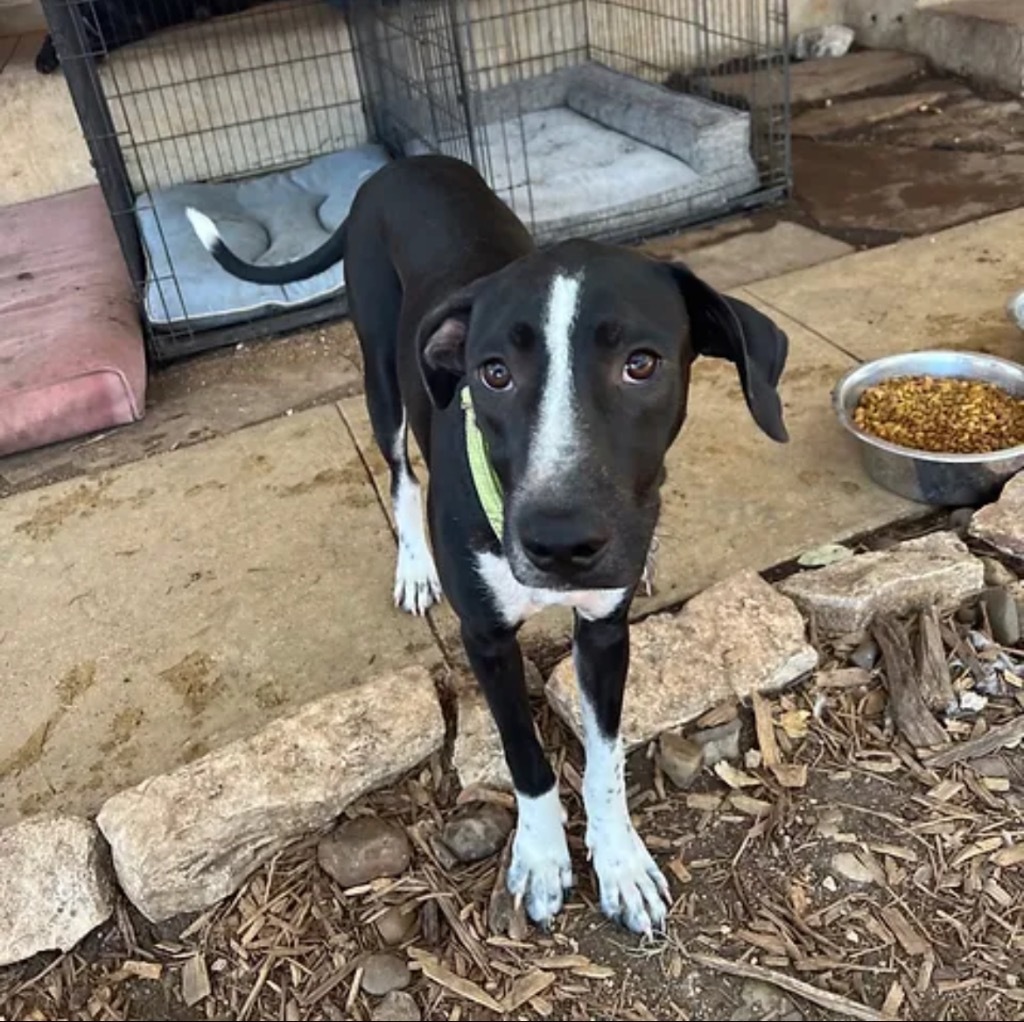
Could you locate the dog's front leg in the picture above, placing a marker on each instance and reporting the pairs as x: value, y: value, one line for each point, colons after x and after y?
x: 540, y: 870
x: 631, y: 886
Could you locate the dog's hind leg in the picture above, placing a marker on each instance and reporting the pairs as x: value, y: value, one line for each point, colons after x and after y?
x: 376, y: 298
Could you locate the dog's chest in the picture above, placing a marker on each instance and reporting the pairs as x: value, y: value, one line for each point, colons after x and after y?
x: 516, y: 602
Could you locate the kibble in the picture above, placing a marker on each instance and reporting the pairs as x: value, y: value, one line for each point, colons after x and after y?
x: 942, y: 415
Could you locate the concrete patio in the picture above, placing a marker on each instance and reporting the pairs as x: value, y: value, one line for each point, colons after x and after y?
x: 182, y: 588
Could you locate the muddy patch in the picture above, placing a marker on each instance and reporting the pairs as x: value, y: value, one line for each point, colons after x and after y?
x: 82, y: 502
x: 194, y: 680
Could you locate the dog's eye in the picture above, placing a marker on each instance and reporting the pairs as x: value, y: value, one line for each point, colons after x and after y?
x: 640, y: 366
x: 496, y: 375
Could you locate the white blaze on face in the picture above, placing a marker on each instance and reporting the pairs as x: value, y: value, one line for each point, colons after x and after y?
x: 554, y: 440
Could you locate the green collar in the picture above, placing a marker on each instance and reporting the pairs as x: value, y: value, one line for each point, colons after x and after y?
x: 486, y: 483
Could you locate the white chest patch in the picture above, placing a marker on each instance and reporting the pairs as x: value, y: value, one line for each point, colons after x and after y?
x: 517, y: 602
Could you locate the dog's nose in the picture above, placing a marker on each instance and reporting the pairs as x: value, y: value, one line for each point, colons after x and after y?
x: 559, y: 541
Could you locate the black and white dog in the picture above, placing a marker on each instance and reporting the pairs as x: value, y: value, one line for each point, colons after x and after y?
x: 544, y: 388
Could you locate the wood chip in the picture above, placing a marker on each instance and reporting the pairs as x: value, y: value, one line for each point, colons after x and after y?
x: 894, y: 998
x: 933, y: 677
x: 791, y: 775
x: 563, y: 962
x: 910, y: 940
x: 143, y: 970
x: 796, y: 723
x: 976, y: 848
x: 912, y: 715
x: 195, y: 980
x: 1002, y: 737
x: 735, y: 778
x: 704, y: 803
x: 765, y: 730
x: 748, y: 805
x: 466, y: 988
x: 593, y: 971
x: 525, y: 988
x: 723, y: 713
x: 844, y: 677
x: 1012, y: 856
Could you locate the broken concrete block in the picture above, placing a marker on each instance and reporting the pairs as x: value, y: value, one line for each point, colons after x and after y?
x: 843, y: 598
x: 184, y: 840
x: 738, y: 637
x: 55, y: 885
x: 1001, y: 524
x: 477, y: 755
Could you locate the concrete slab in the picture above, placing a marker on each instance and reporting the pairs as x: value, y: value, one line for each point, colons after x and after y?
x: 51, y: 157
x: 733, y: 499
x: 909, y: 191
x: 812, y: 81
x: 156, y: 612
x: 983, y: 40
x: 948, y: 290
x: 202, y: 398
x: 752, y: 255
x: 857, y: 113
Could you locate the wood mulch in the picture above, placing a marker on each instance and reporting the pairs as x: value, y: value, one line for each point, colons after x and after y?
x: 864, y: 860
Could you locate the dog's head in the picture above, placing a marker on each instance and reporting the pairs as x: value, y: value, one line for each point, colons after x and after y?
x: 578, y: 361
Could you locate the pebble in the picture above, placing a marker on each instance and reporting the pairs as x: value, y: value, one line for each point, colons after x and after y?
x: 395, y: 925
x: 398, y: 1006
x: 760, y: 1000
x: 960, y: 519
x: 866, y: 655
x: 383, y: 973
x: 720, y: 743
x: 477, y: 831
x: 364, y: 849
x: 1002, y: 616
x: 996, y: 573
x: 681, y: 759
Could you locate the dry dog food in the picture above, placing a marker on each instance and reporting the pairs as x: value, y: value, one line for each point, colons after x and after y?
x: 941, y: 414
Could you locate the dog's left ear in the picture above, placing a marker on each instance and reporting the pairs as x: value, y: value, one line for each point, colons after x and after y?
x: 441, y: 343
x: 727, y: 328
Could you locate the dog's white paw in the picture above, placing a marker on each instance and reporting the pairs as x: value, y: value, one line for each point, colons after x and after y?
x: 540, y: 871
x: 632, y: 888
x: 417, y: 587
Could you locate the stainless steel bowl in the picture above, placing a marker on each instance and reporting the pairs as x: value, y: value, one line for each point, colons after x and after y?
x: 946, y: 479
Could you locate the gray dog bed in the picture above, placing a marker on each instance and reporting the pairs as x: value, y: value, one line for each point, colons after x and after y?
x: 271, y: 219
x: 589, y: 151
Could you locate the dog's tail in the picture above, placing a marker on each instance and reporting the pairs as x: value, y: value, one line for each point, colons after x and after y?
x: 330, y: 252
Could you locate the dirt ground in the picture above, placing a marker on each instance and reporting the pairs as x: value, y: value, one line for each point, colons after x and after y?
x: 832, y: 872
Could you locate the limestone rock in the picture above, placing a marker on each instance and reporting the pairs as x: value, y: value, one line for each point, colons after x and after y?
x: 844, y: 597
x: 1001, y: 524
x: 477, y: 755
x: 738, y: 637
x: 398, y: 1006
x: 55, y: 885
x: 184, y: 840
x: 362, y: 850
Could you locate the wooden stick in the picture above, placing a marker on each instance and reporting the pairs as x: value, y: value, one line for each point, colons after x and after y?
x: 822, y: 998
x: 974, y: 748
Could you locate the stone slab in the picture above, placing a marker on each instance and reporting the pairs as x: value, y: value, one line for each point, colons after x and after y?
x: 858, y: 113
x: 738, y: 637
x: 948, y: 290
x: 982, y: 40
x: 55, y: 885
x: 843, y: 598
x: 751, y: 255
x: 812, y: 81
x: 902, y: 190
x: 161, y: 610
x: 477, y: 754
x: 182, y: 841
x: 1001, y: 524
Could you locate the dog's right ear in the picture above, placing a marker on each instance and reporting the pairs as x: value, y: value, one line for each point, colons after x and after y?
x: 441, y: 344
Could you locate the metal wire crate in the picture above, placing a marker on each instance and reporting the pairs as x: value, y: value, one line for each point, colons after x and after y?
x: 484, y: 80
x: 284, y: 82
x: 269, y: 87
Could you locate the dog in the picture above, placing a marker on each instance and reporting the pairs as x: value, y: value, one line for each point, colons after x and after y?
x: 108, y: 25
x: 544, y: 388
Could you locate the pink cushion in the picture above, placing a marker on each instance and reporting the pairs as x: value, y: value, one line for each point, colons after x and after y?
x: 72, y: 357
